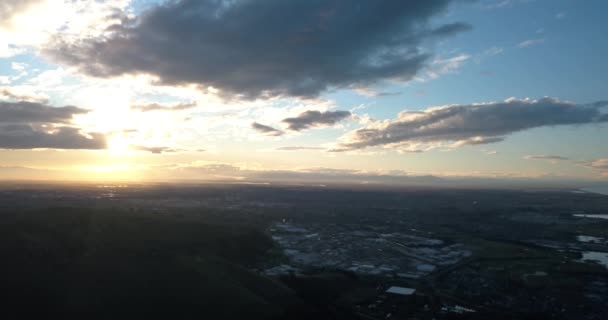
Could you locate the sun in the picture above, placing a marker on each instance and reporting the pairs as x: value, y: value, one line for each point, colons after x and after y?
x: 118, y: 146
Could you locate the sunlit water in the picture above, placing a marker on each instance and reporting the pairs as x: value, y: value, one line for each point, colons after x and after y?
x: 590, y: 239
x: 596, y: 216
x: 598, y: 257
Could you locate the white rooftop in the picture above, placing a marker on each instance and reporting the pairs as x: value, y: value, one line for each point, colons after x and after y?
x: 401, y: 290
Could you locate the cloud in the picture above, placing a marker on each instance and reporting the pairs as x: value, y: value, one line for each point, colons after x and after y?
x: 490, y: 52
x: 264, y: 48
x: 33, y: 112
x: 18, y: 66
x: 499, y: 4
x: 27, y: 137
x: 267, y: 130
x: 530, y: 43
x: 313, y: 118
x: 22, y: 95
x: 163, y: 149
x: 597, y: 104
x: 502, y: 4
x: 298, y: 148
x: 9, y: 9
x: 155, y: 150
x: 29, y: 125
x: 336, y: 176
x: 546, y: 157
x: 459, y: 125
x: 441, y: 66
x: 600, y: 165
x: 370, y: 92
x: 12, y: 8
x: 25, y: 25
x: 161, y: 107
x: 452, y: 29
x: 228, y: 172
x: 493, y: 51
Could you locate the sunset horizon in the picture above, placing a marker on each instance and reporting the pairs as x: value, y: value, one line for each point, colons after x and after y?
x: 135, y: 90
x: 304, y: 159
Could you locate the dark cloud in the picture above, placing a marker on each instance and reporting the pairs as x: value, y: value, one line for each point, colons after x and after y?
x: 546, y: 157
x: 265, y: 48
x: 598, y: 104
x: 298, y: 148
x: 312, y: 118
x: 473, y: 124
x: 27, y: 137
x: 156, y: 150
x: 387, y: 94
x: 267, y: 130
x: 161, y: 107
x: 33, y: 112
x: 29, y: 125
x: 451, y: 29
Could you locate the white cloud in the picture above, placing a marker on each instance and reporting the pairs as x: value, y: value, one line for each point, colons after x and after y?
x: 546, y: 157
x: 530, y: 42
x: 18, y: 66
x: 490, y: 52
x: 441, y: 66
x: 493, y: 51
x: 31, y: 26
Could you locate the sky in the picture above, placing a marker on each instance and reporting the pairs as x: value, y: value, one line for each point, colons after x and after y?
x: 362, y: 91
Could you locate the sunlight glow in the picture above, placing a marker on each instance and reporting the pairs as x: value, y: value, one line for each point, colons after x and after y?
x: 111, y: 172
x: 118, y: 146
